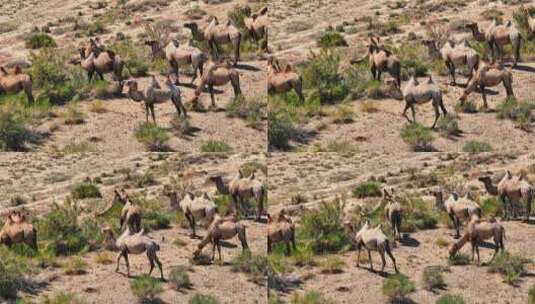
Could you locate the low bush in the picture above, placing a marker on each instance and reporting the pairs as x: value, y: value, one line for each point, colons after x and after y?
x: 491, y: 207
x: 135, y: 57
x: 75, y: 266
x: 63, y: 298
x: 322, y: 77
x: 519, y: 112
x: 252, y: 110
x: 450, y: 299
x: 418, y: 137
x: 153, y: 137
x: 280, y: 130
x: 104, y: 258
x: 531, y: 294
x: 146, y: 288
x: 448, y: 125
x: 332, y: 265
x: 510, y: 266
x: 432, y: 278
x: 398, y: 287
x: 322, y: 228
x: 203, y: 299
x: 14, y: 135
x: 367, y: 189
x: 255, y: 266
x: 215, y: 146
x: 179, y: 278
x: 310, y: 297
x: 40, y: 40
x: 330, y: 39
x: 420, y: 215
x: 459, y: 259
x: 475, y: 146
x: 338, y: 146
x: 85, y: 190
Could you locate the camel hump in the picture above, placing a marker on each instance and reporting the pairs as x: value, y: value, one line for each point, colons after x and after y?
x: 451, y: 43
x: 430, y: 79
x: 111, y: 54
x: 3, y: 70
x: 263, y: 11
x: 228, y: 23
x: 17, y: 70
x: 509, y: 23
x: 288, y: 68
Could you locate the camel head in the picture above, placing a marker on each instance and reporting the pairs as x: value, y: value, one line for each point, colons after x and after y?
x: 389, y: 197
x: 151, y: 43
x: 429, y: 43
x: 191, y: 25
x: 121, y: 196
x: 455, y: 195
x: 472, y: 26
x: 348, y: 227
x: 3, y: 71
x: 485, y: 179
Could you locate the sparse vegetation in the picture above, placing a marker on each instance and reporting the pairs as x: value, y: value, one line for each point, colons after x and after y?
x: 153, y: 137
x: 510, y: 266
x: 398, y: 287
x: 329, y: 39
x: 75, y: 266
x: 448, y: 125
x: 40, y: 40
x: 253, y: 265
x: 215, y: 146
x: 475, y: 146
x: 459, y: 259
x: 450, y: 299
x: 332, y: 265
x: 85, y: 190
x: 146, y: 288
x: 519, y: 112
x: 199, y: 298
x: 252, y: 110
x: 321, y: 76
x: 179, y: 278
x: 310, y: 297
x: 417, y: 136
x: 280, y: 131
x: 367, y: 189
x: 432, y: 278
x: 63, y: 298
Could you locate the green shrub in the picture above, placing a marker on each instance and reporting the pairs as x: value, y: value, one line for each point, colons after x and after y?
x: 63, y: 298
x: 531, y: 294
x: 40, y: 40
x: 450, y: 299
x: 459, y: 259
x: 135, y: 57
x: 253, y: 265
x: 321, y: 75
x: 519, y: 112
x: 153, y: 137
x: 338, y: 146
x: 475, y: 146
x: 10, y: 280
x: 432, y: 278
x: 510, y: 266
x: 85, y: 190
x: 146, y: 288
x: 332, y: 264
x: 417, y: 136
x: 14, y: 134
x: 310, y: 297
x: 280, y: 130
x: 448, y: 125
x: 155, y: 220
x: 330, y: 39
x: 179, y: 278
x: 367, y: 189
x: 75, y: 266
x: 491, y: 207
x: 398, y: 287
x: 419, y: 215
x: 252, y: 110
x: 322, y: 228
x: 215, y: 146
x: 199, y: 298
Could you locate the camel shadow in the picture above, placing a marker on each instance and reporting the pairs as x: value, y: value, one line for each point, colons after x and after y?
x: 188, y: 85
x: 524, y: 68
x: 409, y: 241
x: 226, y: 244
x: 247, y: 67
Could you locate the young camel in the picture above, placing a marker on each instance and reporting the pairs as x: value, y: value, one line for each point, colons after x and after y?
x: 15, y: 81
x: 134, y: 243
x: 418, y: 93
x: 282, y: 229
x: 215, y: 75
x: 17, y: 230
x: 512, y: 190
x: 458, y: 209
x: 393, y: 212
x: 381, y: 60
x: 371, y: 239
x: 489, y: 75
x: 282, y: 81
x: 477, y: 231
x: 131, y: 213
x: 95, y: 60
x: 257, y: 24
x: 217, y: 34
x: 497, y: 36
x: 194, y: 208
x: 242, y: 188
x: 454, y: 55
x: 154, y: 94
x: 222, y: 228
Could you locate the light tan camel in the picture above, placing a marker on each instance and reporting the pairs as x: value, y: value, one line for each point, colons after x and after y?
x: 15, y: 81
x: 489, y: 75
x: 17, y: 230
x: 282, y: 81
x: 201, y: 208
x: 243, y: 188
x: 381, y: 60
x: 131, y: 214
x: 96, y: 60
x: 215, y: 75
x: 497, y: 36
x: 154, y: 94
x: 393, y: 212
x: 281, y: 230
x: 454, y: 55
x: 371, y: 239
x: 134, y: 243
x: 477, y: 231
x: 418, y: 93
x: 222, y: 228
x: 459, y: 209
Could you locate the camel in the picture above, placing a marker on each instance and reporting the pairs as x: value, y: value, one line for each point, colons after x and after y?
x: 511, y: 189
x: 282, y: 81
x: 489, y: 75
x: 242, y: 188
x: 222, y: 228
x: 282, y: 229
x: 221, y: 185
x: 15, y: 81
x: 16, y: 230
x: 218, y: 74
x: 217, y: 34
x: 370, y: 239
x: 454, y: 55
x: 497, y: 36
x: 381, y: 60
x: 134, y: 243
x: 257, y: 24
x: 178, y: 55
x: 393, y: 212
x: 419, y: 93
x: 154, y: 94
x: 94, y: 59
x: 458, y: 209
x: 131, y: 213
x: 194, y: 208
x: 477, y: 231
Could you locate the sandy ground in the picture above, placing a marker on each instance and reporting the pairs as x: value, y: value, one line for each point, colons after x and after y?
x: 322, y: 177
x: 31, y: 176
x: 296, y: 26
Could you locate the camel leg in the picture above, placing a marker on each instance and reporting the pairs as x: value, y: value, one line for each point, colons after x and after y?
x: 125, y: 254
x: 146, y: 112
x: 504, y: 203
x: 383, y: 260
x: 484, y: 96
x: 119, y: 255
x: 457, y: 228
x: 413, y: 114
x: 491, y: 47
x: 529, y: 199
x: 437, y: 114
x: 214, y: 244
x: 237, y: 45
x: 219, y: 249
x: 473, y: 249
x: 454, y: 83
x: 150, y: 256
x: 211, y: 89
x: 153, y: 114
x: 508, y: 89
x: 407, y: 106
x: 159, y: 265
x: 477, y: 252
x: 441, y: 104
x: 293, y: 241
x: 235, y: 81
x: 389, y: 252
x: 269, y: 246
x: 191, y: 224
x: 358, y: 258
x: 370, y: 259
x: 379, y: 72
x: 287, y: 248
x: 374, y: 72
x: 29, y: 95
x: 90, y: 75
x: 243, y: 239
